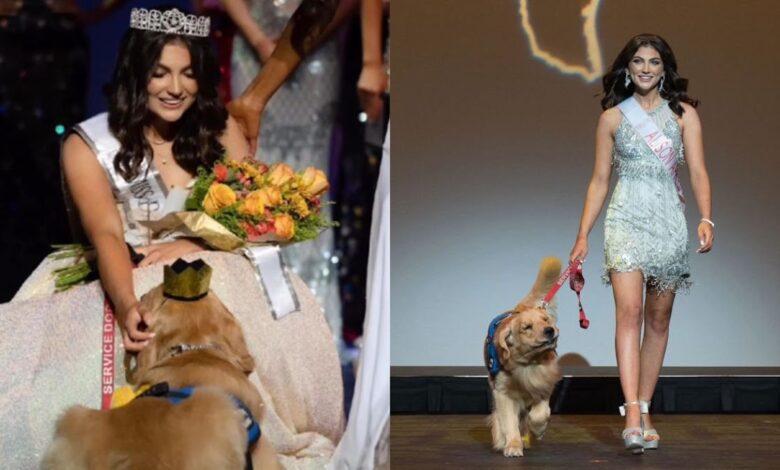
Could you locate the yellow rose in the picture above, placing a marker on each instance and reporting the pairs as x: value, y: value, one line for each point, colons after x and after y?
x: 314, y: 182
x: 218, y: 197
x: 272, y: 195
x: 299, y: 203
x: 280, y: 174
x: 284, y: 226
x: 254, y: 204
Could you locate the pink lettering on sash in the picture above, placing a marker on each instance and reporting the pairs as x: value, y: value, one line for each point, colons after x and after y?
x: 108, y: 355
x: 655, y: 139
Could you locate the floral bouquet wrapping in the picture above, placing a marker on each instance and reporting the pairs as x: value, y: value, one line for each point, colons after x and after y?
x: 240, y: 203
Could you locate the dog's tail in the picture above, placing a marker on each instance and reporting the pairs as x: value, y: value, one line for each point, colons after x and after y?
x: 549, y: 271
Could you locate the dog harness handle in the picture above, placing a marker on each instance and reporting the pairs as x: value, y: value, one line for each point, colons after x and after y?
x: 577, y: 282
x: 176, y: 396
x: 492, y: 363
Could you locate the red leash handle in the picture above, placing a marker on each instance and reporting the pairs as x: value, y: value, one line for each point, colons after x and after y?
x: 577, y: 282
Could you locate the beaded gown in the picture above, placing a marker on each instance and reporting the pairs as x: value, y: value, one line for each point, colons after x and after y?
x: 296, y: 129
x: 51, y: 353
x: 644, y: 228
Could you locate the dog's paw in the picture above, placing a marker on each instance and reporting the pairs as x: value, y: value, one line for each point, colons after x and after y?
x: 538, y: 429
x: 514, y: 448
x: 499, y: 445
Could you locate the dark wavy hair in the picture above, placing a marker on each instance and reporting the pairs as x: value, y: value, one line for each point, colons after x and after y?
x: 197, y: 133
x: 675, y: 87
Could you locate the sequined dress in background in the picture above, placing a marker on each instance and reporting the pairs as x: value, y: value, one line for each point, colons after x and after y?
x: 43, y: 75
x: 645, y: 227
x: 296, y: 129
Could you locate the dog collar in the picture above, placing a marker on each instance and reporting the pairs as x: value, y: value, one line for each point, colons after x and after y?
x: 492, y: 363
x: 183, y: 348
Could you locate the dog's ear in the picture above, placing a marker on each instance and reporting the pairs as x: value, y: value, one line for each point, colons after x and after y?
x: 144, y: 359
x: 235, y: 341
x: 241, y: 354
x: 505, y: 341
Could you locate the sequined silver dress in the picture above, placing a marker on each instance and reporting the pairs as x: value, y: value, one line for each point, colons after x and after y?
x: 296, y: 129
x: 645, y: 227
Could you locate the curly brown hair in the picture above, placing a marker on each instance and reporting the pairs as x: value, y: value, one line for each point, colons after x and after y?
x: 197, y: 132
x: 674, y: 89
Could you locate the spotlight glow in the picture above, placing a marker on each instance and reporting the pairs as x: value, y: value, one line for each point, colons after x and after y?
x: 594, y: 70
x: 59, y: 129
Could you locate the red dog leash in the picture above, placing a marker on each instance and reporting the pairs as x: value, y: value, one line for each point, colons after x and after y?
x: 576, y: 283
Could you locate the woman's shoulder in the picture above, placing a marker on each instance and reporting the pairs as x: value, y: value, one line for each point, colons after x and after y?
x: 689, y: 110
x: 610, y: 118
x: 75, y: 146
x: 690, y: 117
x: 95, y: 133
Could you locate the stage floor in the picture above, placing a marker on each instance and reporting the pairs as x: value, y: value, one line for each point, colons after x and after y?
x: 589, y: 441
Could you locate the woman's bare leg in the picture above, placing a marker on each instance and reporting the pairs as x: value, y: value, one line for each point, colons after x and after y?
x: 628, y: 288
x: 658, y: 314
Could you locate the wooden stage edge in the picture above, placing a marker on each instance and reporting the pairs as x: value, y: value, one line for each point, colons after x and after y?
x: 585, y: 371
x: 592, y: 390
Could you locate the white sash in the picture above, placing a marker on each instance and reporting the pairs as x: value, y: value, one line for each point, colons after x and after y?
x: 273, y: 278
x: 661, y: 145
x: 143, y: 198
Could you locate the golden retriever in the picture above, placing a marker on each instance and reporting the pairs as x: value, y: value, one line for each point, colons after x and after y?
x: 197, y: 344
x: 524, y: 365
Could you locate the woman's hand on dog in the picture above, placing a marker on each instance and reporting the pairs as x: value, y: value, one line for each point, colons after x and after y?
x: 168, y: 251
x: 135, y: 325
x: 580, y: 250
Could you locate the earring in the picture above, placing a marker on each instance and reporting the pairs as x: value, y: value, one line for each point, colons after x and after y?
x: 661, y: 84
x: 627, y: 81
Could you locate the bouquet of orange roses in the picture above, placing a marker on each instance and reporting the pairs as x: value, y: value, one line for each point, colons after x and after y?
x: 230, y: 206
x: 235, y: 203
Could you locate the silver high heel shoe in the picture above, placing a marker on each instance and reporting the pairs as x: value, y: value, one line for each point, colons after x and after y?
x: 633, y: 438
x: 650, y: 436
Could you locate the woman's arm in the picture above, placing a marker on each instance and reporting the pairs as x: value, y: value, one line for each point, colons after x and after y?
x: 238, y: 10
x: 236, y: 145
x: 304, y: 30
x: 599, y: 181
x: 372, y: 83
x: 92, y: 196
x: 700, y: 180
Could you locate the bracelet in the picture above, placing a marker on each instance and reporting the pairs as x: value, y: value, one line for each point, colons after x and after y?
x: 708, y: 221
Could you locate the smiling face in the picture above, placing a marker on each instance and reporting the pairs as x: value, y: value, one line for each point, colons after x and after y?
x: 172, y: 87
x: 646, y: 68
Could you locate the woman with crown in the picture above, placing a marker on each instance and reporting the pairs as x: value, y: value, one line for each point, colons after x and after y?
x: 122, y: 168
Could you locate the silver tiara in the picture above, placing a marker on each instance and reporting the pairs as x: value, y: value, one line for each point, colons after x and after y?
x: 171, y: 21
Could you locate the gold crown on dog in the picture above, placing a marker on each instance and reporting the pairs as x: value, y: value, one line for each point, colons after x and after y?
x: 186, y: 281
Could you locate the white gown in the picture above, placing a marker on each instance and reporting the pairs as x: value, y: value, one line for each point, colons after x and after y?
x: 365, y: 441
